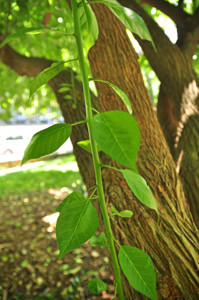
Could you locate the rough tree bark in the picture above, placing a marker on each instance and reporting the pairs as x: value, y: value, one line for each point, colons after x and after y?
x: 112, y: 58
x: 178, y: 102
x: 171, y: 240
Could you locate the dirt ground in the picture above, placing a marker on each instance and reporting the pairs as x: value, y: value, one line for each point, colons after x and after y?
x: 29, y: 266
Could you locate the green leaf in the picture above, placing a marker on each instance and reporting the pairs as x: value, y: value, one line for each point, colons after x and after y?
x: 118, y: 135
x: 99, y: 240
x: 96, y: 286
x: 138, y: 269
x: 64, y: 89
x: 47, y: 74
x: 118, y: 91
x: 89, y: 25
x: 86, y: 145
x: 61, y: 205
x: 140, y: 188
x: 32, y: 30
x: 47, y: 141
x: 77, y: 222
x: 123, y: 213
x: 114, y: 210
x: 129, y: 18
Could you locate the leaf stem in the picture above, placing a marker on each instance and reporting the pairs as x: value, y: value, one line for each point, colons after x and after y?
x: 93, y: 193
x: 79, y: 122
x: 94, y: 149
x: 117, y: 242
x: 93, y: 187
x: 110, y: 167
x: 95, y: 110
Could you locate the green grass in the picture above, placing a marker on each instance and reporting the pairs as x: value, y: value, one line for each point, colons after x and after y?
x: 33, y: 177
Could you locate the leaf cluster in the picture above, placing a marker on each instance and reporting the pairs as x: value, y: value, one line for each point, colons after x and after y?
x: 117, y: 134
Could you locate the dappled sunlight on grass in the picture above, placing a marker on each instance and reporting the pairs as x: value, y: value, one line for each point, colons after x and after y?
x: 64, y: 163
x: 68, y: 166
x: 60, y: 173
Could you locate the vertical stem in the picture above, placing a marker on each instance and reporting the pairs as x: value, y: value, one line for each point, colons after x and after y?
x: 95, y: 156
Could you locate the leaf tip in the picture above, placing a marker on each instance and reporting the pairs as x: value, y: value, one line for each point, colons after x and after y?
x: 61, y: 254
x: 23, y: 162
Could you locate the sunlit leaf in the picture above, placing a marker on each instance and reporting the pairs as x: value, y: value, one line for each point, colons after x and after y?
x: 77, y: 222
x: 138, y: 269
x: 129, y: 18
x: 120, y: 93
x: 89, y: 25
x: 86, y: 145
x: 47, y: 141
x: 32, y: 30
x: 118, y: 135
x: 140, y: 188
x: 47, y: 74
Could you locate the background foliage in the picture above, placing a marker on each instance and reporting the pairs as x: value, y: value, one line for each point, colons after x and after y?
x: 15, y: 15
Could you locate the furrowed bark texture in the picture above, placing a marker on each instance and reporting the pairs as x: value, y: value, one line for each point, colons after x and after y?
x: 170, y: 240
x: 178, y: 102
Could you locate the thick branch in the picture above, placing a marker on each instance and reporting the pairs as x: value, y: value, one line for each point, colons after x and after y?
x: 174, y: 12
x: 162, y: 42
x: 189, y: 26
x: 191, y: 38
x: 22, y: 65
x: 191, y: 41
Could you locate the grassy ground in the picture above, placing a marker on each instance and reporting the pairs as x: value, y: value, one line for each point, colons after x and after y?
x: 57, y: 173
x: 28, y: 249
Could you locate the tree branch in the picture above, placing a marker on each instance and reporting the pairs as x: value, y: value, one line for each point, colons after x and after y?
x: 32, y: 66
x: 191, y: 38
x: 190, y: 42
x: 22, y: 65
x: 186, y: 45
x: 162, y: 42
x: 176, y: 13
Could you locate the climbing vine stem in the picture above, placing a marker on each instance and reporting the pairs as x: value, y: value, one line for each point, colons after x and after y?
x: 94, y: 149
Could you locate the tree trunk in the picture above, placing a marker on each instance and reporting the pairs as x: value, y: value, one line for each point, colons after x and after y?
x: 185, y: 135
x: 169, y: 239
x: 178, y: 102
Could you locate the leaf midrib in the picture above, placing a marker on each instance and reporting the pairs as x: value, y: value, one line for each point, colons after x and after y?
x: 138, y: 273
x: 126, y: 156
x: 74, y: 232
